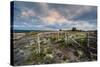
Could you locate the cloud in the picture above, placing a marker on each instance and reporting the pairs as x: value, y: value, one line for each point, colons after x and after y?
x: 84, y: 25
x: 27, y: 13
x: 81, y: 25
x: 44, y: 8
x: 54, y: 17
x: 74, y: 11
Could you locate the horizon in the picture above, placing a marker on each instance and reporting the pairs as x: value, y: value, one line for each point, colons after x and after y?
x: 56, y: 30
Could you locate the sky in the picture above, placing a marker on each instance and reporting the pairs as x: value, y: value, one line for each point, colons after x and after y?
x: 51, y: 16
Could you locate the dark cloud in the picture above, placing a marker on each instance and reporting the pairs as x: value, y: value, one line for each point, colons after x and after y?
x: 89, y: 15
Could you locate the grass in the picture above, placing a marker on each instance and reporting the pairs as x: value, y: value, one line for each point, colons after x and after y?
x: 46, y: 55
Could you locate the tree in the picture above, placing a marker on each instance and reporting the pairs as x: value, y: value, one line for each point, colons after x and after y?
x: 74, y: 29
x: 60, y: 29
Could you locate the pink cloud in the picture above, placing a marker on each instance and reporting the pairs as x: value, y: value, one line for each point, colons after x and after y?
x: 54, y: 17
